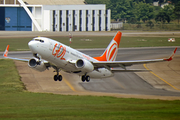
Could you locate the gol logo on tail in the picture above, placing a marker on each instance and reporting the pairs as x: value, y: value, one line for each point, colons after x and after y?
x: 112, y: 51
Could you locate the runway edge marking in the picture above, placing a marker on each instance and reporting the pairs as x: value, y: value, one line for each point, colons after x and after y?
x: 161, y: 78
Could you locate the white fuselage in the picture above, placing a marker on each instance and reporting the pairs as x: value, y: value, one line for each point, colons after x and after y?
x: 60, y: 55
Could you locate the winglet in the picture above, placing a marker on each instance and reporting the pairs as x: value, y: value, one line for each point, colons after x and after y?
x: 6, y: 51
x: 171, y: 57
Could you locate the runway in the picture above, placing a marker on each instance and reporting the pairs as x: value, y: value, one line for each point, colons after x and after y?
x: 121, y: 83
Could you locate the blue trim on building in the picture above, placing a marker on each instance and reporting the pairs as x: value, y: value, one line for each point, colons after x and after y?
x: 2, y: 16
x: 16, y: 19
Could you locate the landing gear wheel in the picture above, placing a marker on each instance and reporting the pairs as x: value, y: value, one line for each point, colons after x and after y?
x: 83, y: 78
x: 87, y: 78
x: 57, y: 77
x: 60, y: 77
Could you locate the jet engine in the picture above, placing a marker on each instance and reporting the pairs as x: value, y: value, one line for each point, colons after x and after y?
x: 36, y: 64
x: 84, y: 65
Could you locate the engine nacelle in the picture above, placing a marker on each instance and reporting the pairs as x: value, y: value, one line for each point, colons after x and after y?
x: 84, y: 65
x: 36, y: 64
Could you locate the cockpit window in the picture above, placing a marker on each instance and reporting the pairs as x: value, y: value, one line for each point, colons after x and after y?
x: 42, y: 41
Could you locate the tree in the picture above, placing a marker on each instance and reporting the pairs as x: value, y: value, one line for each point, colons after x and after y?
x: 145, y: 1
x: 177, y: 10
x: 149, y: 1
x: 162, y: 16
x: 97, y: 1
x: 121, y: 9
x: 132, y: 20
x: 150, y: 24
x: 161, y: 1
x: 169, y: 9
x: 174, y: 1
x: 144, y: 11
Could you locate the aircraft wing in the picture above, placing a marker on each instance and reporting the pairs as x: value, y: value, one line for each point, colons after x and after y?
x: 5, y: 55
x: 124, y: 64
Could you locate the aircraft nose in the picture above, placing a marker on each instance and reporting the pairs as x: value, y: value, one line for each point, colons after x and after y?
x: 32, y: 46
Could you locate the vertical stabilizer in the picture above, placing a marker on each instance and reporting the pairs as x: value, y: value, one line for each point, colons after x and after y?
x: 111, y: 51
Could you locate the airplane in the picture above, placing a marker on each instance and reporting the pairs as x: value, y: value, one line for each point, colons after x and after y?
x: 50, y: 53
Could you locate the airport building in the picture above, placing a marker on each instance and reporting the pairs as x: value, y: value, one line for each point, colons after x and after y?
x: 53, y: 15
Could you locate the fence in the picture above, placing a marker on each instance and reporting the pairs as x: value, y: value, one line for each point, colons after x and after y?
x: 116, y: 25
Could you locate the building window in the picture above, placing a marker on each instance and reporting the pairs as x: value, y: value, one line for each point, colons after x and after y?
x: 67, y: 20
x: 80, y: 20
x: 60, y: 20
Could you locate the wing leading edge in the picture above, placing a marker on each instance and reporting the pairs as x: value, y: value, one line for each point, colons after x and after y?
x: 5, y: 55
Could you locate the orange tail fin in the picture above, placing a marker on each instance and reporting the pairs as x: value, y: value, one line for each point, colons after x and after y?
x: 111, y: 51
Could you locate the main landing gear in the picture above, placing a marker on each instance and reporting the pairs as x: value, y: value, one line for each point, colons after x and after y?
x: 57, y: 77
x: 85, y: 78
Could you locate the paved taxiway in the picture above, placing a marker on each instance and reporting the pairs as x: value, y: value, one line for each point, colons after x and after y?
x: 13, y: 34
x: 121, y: 83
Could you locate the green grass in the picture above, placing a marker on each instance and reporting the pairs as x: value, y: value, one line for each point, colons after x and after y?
x: 9, y: 78
x: 148, y: 42
x: 18, y: 104
x: 21, y: 44
x: 156, y: 27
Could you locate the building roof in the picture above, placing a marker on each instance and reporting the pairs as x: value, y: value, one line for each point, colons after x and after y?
x: 54, y: 2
